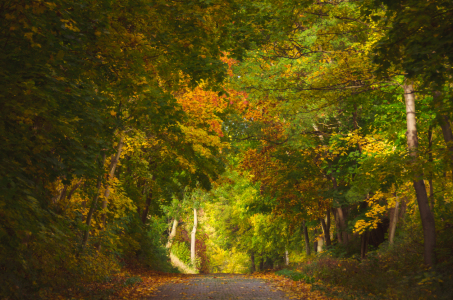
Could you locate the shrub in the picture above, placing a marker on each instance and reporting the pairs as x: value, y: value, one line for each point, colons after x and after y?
x: 180, y: 250
x: 294, y: 275
x: 132, y: 281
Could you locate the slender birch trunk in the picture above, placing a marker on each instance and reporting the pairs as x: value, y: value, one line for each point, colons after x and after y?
x: 393, y: 222
x: 172, y: 233
x: 286, y: 257
x: 113, y: 163
x: 321, y: 244
x: 326, y: 231
x: 193, y: 238
x: 427, y: 218
x: 342, y: 223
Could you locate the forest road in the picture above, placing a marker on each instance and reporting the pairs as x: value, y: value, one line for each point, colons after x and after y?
x: 218, y: 287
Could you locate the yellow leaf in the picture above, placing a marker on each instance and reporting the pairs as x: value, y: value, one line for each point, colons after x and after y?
x: 29, y: 35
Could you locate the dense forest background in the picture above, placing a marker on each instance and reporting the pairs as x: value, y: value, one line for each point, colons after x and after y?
x: 237, y: 136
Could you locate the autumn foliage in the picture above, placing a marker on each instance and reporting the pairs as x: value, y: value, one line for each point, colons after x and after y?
x: 313, y: 137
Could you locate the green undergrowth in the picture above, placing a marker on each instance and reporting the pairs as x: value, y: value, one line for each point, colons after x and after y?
x: 387, y: 273
x: 180, y: 250
x: 295, y: 275
x: 133, y: 281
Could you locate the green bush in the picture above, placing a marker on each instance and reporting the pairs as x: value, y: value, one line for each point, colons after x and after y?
x: 133, y: 280
x: 181, y: 250
x: 388, y: 273
x: 296, y: 276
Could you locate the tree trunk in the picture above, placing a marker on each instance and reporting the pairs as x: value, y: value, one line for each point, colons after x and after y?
x: 113, y: 163
x: 62, y: 194
x: 364, y: 236
x: 193, y: 239
x: 342, y: 223
x: 448, y: 135
x: 326, y: 231
x: 71, y: 192
x: 92, y: 207
x: 76, y: 186
x: 393, y: 222
x: 328, y: 222
x: 149, y: 198
x: 286, y: 257
x: 269, y: 263
x: 364, y: 244
x: 315, y: 242
x: 147, y: 205
x: 430, y: 159
x: 320, y: 244
x: 340, y: 219
x: 444, y: 122
x: 429, y: 230
x: 252, y: 262
x: 337, y: 226
x: 84, y: 201
x: 172, y: 233
x: 307, y: 241
x: 403, y: 208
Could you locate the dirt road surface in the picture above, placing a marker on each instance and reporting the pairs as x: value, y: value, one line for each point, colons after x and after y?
x: 218, y: 287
